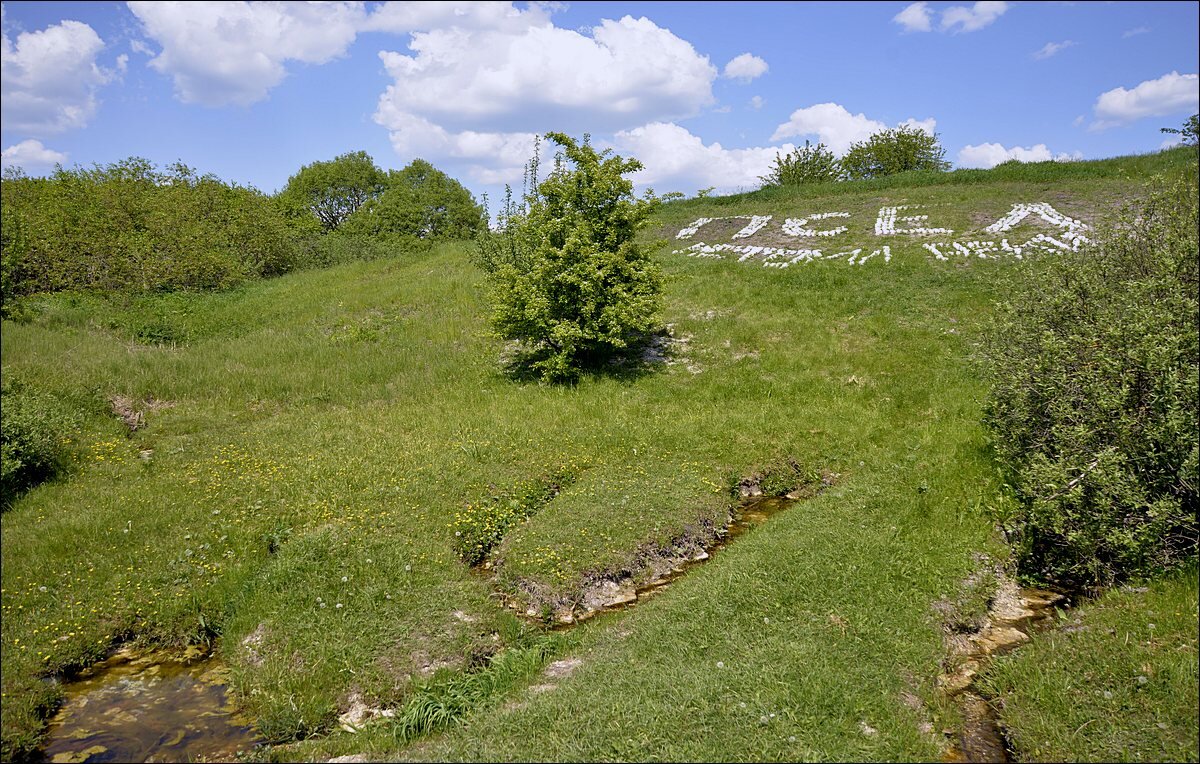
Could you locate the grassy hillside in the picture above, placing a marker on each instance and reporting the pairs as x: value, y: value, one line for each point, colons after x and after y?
x: 314, y: 442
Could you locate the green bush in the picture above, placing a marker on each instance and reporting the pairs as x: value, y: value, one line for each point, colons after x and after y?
x: 568, y: 281
x: 421, y: 202
x: 36, y: 430
x: 330, y: 192
x: 811, y: 164
x: 893, y: 151
x: 1093, y: 404
x: 130, y: 227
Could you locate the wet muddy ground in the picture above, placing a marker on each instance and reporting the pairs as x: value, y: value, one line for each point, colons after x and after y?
x: 1015, y: 613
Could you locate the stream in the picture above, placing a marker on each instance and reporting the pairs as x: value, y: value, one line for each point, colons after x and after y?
x: 148, y: 707
x: 1015, y: 613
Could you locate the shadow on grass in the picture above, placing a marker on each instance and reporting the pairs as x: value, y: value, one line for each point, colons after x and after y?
x: 644, y: 354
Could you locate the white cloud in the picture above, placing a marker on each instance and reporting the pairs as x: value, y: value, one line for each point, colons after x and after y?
x: 676, y: 159
x: 49, y: 78
x: 1169, y: 94
x: 1134, y: 32
x: 914, y: 18
x: 959, y: 18
x: 757, y: 102
x: 221, y: 53
x: 1051, y: 48
x: 490, y: 158
x: 402, y: 17
x: 928, y: 125
x: 31, y: 155
x: 1174, y: 140
x: 745, y: 67
x: 625, y: 73
x: 918, y: 17
x: 987, y: 155
x: 836, y: 127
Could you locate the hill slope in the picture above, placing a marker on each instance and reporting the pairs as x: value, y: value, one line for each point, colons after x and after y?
x: 313, y: 444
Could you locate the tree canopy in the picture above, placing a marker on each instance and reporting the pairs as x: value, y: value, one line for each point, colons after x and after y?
x: 892, y: 151
x: 421, y: 202
x: 335, y: 189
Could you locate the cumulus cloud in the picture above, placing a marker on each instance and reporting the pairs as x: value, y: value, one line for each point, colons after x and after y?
x: 915, y: 18
x: 959, y: 18
x: 1051, y: 48
x: 31, y: 155
x: 837, y: 128
x: 757, y: 102
x: 1169, y: 94
x: 221, y: 53
x: 623, y: 73
x: 987, y: 155
x: 1134, y: 32
x: 677, y: 159
x: 745, y: 68
x: 918, y: 17
x: 402, y: 18
x: 489, y: 157
x: 49, y: 78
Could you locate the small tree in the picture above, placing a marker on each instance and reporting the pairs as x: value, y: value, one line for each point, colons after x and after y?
x: 333, y: 190
x: 1190, y: 132
x: 420, y: 202
x: 891, y: 151
x: 568, y: 281
x: 811, y: 164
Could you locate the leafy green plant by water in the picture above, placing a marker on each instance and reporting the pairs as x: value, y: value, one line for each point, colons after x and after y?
x: 1093, y: 406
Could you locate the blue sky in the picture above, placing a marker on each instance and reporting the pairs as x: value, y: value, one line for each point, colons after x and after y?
x: 704, y: 94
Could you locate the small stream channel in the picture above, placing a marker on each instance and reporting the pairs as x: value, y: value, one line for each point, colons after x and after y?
x: 622, y: 593
x: 148, y: 707
x: 1014, y: 615
x: 158, y: 708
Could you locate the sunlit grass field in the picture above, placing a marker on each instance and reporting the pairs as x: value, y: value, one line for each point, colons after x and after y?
x: 313, y: 443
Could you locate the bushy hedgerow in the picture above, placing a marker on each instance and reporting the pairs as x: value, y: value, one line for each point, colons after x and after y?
x: 1093, y: 405
x: 36, y: 434
x: 419, y: 202
x: 131, y: 227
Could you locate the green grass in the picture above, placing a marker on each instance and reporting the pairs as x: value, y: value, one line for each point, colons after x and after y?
x: 325, y: 431
x: 1117, y: 682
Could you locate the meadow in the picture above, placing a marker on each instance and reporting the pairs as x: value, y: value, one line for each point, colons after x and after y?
x: 315, y: 446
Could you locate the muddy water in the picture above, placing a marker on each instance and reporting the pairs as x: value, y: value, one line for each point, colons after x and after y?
x: 135, y: 708
x: 1014, y: 615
